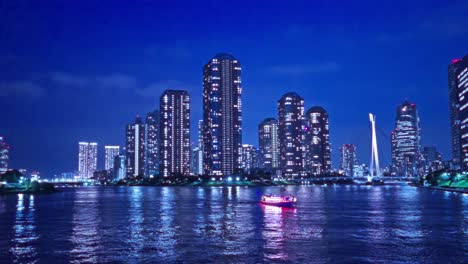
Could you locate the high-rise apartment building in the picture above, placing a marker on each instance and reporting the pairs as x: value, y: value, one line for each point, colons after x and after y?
x: 462, y: 89
x: 348, y: 159
x: 222, y: 115
x: 197, y: 152
x: 152, y: 143
x: 4, y: 155
x: 87, y: 159
x: 119, y: 167
x: 290, y: 123
x: 268, y: 144
x: 135, y: 148
x: 175, y: 133
x: 454, y: 106
x: 110, y: 153
x: 406, y: 142
x: 317, y: 142
x: 249, y: 158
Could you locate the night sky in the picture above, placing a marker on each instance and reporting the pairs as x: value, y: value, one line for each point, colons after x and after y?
x: 81, y: 71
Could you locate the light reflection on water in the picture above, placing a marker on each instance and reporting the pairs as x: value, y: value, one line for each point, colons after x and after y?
x: 85, y: 222
x: 165, y: 241
x: 23, y: 243
x: 227, y: 224
x: 135, y: 222
x: 274, y: 232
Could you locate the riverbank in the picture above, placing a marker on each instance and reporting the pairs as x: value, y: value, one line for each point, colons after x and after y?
x: 447, y: 189
x: 246, y: 183
x: 211, y: 183
x: 36, y: 188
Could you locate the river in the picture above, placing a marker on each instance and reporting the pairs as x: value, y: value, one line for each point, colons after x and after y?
x: 330, y: 224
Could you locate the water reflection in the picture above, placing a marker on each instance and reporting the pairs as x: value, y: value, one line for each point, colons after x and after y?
x: 24, y: 248
x: 376, y: 218
x: 136, y: 220
x: 165, y: 240
x: 274, y: 232
x: 85, y: 237
x: 342, y: 224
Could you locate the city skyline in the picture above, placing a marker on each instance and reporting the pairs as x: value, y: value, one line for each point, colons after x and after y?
x: 325, y: 74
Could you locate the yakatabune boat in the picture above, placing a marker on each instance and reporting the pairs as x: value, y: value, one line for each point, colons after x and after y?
x: 288, y: 200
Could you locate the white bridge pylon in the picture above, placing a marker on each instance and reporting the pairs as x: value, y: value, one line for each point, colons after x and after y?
x: 375, y: 153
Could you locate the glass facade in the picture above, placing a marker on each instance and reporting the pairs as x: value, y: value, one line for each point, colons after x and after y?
x: 119, y: 167
x: 405, y: 142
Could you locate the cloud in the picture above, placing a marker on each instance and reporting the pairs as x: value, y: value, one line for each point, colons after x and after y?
x: 155, y: 89
x: 25, y: 89
x: 176, y: 51
x: 322, y: 67
x: 116, y: 80
x: 447, y: 22
x: 70, y: 79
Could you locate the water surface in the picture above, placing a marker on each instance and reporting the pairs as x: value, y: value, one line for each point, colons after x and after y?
x: 226, y: 224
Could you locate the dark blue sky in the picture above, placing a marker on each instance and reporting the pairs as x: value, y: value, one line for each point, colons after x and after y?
x: 80, y: 71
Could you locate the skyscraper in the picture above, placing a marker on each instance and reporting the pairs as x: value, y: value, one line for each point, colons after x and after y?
x: 290, y: 122
x: 87, y: 159
x: 317, y: 142
x: 406, y: 146
x: 175, y: 133
x: 197, y: 152
x: 348, y: 159
x: 268, y: 144
x: 135, y: 148
x: 200, y: 148
x: 454, y: 106
x: 4, y: 151
x: 222, y: 115
x: 249, y: 156
x: 462, y: 88
x: 152, y: 143
x: 110, y: 153
x: 119, y: 167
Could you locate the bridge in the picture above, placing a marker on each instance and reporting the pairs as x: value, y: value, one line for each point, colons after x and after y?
x: 360, y: 179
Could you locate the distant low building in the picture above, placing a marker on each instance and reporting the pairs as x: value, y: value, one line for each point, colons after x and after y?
x: 102, y: 176
x: 360, y: 170
x: 433, y: 159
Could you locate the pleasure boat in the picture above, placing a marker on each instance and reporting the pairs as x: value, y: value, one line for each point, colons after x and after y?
x: 286, y: 201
